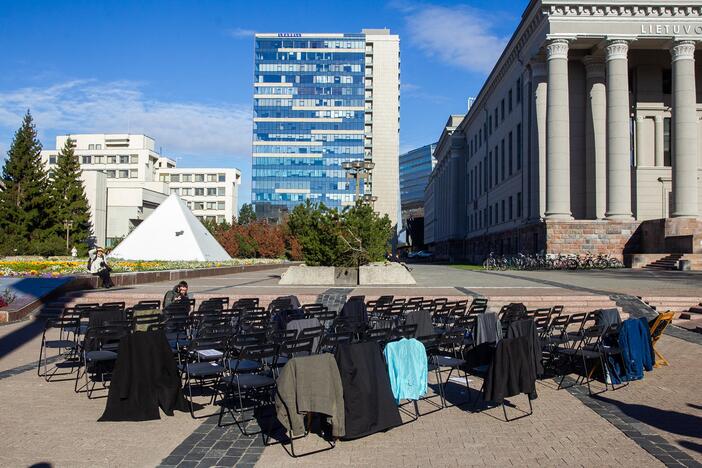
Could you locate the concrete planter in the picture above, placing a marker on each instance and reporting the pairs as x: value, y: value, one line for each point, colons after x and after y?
x: 374, y: 274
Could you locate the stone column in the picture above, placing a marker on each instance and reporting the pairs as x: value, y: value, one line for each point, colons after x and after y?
x: 659, y: 159
x: 557, y: 132
x: 618, y: 145
x: 539, y: 88
x: 684, y: 130
x: 595, y: 134
x: 640, y: 141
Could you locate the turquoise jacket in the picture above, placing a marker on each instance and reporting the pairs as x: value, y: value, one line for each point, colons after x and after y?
x: 408, y: 368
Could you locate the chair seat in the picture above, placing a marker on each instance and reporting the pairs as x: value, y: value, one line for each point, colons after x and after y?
x: 53, y: 344
x: 249, y: 381
x: 203, y: 369
x: 178, y: 343
x: 102, y: 355
x: 448, y: 361
x: 245, y: 365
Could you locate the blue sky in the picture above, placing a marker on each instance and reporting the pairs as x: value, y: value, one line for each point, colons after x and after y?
x: 182, y: 71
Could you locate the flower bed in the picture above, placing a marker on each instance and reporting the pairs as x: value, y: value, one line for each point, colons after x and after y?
x: 65, y: 267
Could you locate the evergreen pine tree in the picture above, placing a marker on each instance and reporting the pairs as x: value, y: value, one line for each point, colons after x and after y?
x: 247, y: 214
x: 69, y: 202
x: 24, y: 223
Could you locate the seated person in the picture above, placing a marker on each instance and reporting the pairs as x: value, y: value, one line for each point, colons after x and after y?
x: 178, y: 294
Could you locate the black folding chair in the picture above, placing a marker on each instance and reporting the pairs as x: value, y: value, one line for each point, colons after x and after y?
x: 448, y: 358
x: 255, y: 387
x: 205, y: 362
x: 65, y: 344
x: 99, y: 353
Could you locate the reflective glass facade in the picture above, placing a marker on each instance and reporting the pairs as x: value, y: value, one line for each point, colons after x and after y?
x: 308, y: 119
x: 415, y: 168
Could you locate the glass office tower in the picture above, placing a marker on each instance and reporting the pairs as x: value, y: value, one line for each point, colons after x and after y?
x: 308, y: 119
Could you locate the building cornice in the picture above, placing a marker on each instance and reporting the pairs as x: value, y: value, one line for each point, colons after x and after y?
x: 618, y: 9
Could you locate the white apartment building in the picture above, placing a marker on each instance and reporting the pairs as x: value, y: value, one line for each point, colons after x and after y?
x: 122, y: 176
x: 210, y: 193
x: 382, y: 118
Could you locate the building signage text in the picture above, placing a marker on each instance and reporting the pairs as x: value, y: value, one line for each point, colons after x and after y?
x: 671, y: 29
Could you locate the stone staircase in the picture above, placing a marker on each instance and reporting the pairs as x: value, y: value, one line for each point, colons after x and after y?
x: 571, y: 303
x: 687, y: 310
x: 669, y: 262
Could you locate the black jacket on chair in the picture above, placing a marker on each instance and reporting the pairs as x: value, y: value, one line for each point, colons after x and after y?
x: 369, y: 405
x: 511, y: 371
x: 527, y: 328
x: 145, y: 378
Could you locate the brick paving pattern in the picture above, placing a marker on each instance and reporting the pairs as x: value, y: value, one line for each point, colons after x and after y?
x: 649, y: 423
x: 210, y: 445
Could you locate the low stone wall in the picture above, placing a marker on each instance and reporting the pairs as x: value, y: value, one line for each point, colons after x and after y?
x: 374, y: 274
x: 83, y: 282
x: 598, y: 237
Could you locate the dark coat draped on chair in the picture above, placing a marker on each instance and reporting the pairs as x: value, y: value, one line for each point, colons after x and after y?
x: 145, y: 378
x: 369, y: 405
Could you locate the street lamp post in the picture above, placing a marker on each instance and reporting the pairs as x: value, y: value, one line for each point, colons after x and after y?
x: 358, y: 170
x: 68, y: 225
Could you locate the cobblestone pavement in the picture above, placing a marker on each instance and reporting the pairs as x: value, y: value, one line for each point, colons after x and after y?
x: 562, y: 431
x: 648, y: 423
x: 668, y: 402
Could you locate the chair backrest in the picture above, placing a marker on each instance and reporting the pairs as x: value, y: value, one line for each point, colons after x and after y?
x: 378, y: 334
x: 212, y: 304
x: 258, y: 353
x: 405, y: 331
x: 453, y: 341
x: 330, y: 341
x: 465, y: 324
x: 87, y: 305
x: 155, y: 304
x: 400, y: 301
x: 541, y: 324
x: 97, y: 337
x: 479, y: 301
x: 543, y: 312
x: 246, y: 302
x: 212, y: 337
x: 65, y: 323
x: 659, y: 325
x: 558, y: 324
x: 439, y: 301
x: 113, y: 305
x: 254, y: 321
x: 283, y: 336
x: 575, y: 321
x: 431, y: 343
x: 243, y: 340
x: 556, y: 310
x: 301, y: 346
x: 311, y: 332
x: 477, y: 309
x: 313, y: 308
x: 144, y: 318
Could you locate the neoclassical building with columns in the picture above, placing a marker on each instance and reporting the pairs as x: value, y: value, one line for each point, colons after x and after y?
x: 586, y: 136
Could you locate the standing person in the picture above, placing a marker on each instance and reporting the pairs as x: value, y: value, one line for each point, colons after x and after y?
x: 177, y: 294
x: 97, y: 265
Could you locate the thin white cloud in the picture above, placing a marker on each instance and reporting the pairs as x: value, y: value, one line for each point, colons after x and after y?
x: 413, y: 91
x: 240, y: 32
x: 88, y: 106
x: 460, y: 35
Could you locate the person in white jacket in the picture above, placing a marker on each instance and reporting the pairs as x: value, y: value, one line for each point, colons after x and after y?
x: 97, y: 265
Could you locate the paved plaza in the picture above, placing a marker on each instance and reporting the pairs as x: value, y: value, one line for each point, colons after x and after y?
x: 651, y: 422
